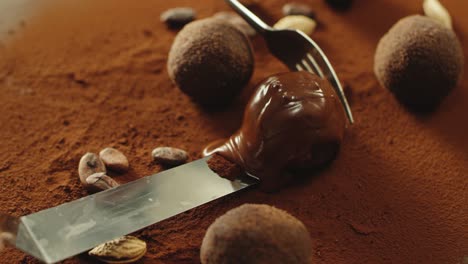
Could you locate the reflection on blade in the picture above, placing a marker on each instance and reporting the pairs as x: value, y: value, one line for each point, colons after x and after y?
x: 66, y: 230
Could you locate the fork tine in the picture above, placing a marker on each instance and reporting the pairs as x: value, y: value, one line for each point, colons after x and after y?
x: 299, y: 67
x: 315, y: 65
x: 328, y: 73
x: 307, y: 66
x: 312, y: 66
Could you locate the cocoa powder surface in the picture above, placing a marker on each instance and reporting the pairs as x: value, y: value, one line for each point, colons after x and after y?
x: 78, y: 76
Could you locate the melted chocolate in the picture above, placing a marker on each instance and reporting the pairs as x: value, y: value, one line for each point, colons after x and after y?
x: 293, y: 121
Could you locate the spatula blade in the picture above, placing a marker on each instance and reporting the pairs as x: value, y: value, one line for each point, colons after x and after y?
x: 66, y: 230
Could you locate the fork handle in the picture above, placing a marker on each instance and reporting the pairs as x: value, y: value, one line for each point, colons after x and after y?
x: 260, y: 26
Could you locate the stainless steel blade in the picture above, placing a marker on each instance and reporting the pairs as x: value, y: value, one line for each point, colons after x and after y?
x: 69, y: 229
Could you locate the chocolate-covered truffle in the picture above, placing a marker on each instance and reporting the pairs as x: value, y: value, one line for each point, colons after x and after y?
x: 252, y: 234
x: 293, y: 121
x: 420, y: 61
x: 211, y: 61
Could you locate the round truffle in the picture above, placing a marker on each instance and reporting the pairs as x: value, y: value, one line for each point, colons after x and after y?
x: 293, y: 121
x: 211, y: 61
x: 254, y: 234
x: 420, y: 61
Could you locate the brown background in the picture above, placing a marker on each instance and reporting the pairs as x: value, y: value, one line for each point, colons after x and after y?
x: 78, y: 76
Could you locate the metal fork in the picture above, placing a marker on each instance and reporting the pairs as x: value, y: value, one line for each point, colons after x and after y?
x: 295, y: 49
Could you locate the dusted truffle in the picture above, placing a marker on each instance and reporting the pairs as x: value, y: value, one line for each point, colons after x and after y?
x: 254, y: 234
x: 293, y: 121
x: 420, y: 61
x: 211, y: 61
x: 237, y: 21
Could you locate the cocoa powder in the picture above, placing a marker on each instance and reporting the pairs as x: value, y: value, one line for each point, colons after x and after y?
x: 223, y: 167
x: 396, y: 193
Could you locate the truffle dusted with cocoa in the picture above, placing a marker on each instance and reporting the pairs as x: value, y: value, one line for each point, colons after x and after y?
x: 292, y: 121
x: 254, y: 233
x: 211, y: 61
x: 420, y: 61
x: 237, y: 21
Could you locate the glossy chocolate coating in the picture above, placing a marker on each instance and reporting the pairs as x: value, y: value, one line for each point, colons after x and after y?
x: 293, y: 121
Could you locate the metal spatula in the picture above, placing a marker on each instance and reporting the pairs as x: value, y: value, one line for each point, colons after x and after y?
x: 296, y: 50
x: 69, y: 229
